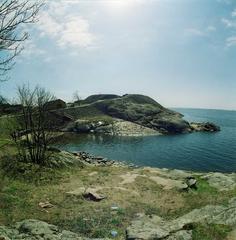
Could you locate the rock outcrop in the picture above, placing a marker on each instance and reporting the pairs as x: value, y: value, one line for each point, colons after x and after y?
x: 116, y: 127
x: 32, y: 229
x: 60, y: 159
x: 204, y: 127
x: 144, y: 111
x: 221, y: 181
x: 155, y: 227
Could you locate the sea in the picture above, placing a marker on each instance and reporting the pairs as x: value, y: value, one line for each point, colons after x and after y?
x: 202, y: 151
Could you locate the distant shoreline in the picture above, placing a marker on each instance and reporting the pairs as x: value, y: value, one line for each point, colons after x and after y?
x: 208, y: 109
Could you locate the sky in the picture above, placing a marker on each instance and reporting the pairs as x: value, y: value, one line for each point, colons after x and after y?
x: 180, y: 52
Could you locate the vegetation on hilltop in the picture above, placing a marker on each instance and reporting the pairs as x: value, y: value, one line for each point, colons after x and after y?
x: 98, y: 97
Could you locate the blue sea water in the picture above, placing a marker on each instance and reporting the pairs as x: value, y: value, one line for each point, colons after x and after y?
x: 195, y: 151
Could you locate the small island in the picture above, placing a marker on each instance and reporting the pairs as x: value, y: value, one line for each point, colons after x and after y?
x: 130, y: 114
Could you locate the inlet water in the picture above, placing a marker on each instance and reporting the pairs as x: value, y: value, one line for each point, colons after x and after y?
x: 195, y: 151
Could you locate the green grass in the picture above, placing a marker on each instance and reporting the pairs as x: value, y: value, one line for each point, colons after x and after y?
x: 83, y: 111
x: 210, y: 232
x: 6, y: 124
x: 12, y: 200
x: 97, y: 223
x: 98, y: 97
x: 4, y: 142
x: 141, y: 99
x: 36, y: 174
x: 203, y: 194
x: 104, y: 118
x: 24, y: 186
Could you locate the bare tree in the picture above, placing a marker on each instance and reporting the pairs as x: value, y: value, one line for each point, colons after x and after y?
x: 34, y: 130
x: 76, y: 96
x: 14, y: 14
x: 3, y: 100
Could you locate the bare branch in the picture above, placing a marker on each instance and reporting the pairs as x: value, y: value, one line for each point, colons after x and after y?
x: 14, y: 14
x: 34, y: 124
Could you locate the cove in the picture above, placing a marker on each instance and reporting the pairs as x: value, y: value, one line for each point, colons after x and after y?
x: 196, y: 151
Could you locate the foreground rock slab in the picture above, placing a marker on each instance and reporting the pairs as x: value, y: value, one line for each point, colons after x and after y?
x: 154, y: 227
x: 32, y: 229
x: 220, y: 181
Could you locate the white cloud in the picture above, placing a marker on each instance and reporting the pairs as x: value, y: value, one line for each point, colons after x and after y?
x: 200, y: 32
x: 211, y: 29
x: 233, y: 14
x: 195, y: 32
x: 76, y: 32
x: 66, y: 28
x: 225, y: 1
x: 229, y: 23
x: 231, y: 41
x: 30, y: 49
x: 48, y: 25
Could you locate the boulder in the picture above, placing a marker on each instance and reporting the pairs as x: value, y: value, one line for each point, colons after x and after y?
x: 204, y: 127
x: 93, y: 196
x: 87, y: 126
x: 89, y: 193
x: 191, y: 182
x: 46, y: 204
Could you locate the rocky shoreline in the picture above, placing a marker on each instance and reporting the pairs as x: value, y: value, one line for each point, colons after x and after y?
x: 144, y: 226
x: 180, y: 179
x: 120, y: 127
x: 127, y: 115
x: 90, y: 159
x: 116, y: 127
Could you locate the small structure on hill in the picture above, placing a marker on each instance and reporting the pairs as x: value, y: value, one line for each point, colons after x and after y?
x: 7, y: 108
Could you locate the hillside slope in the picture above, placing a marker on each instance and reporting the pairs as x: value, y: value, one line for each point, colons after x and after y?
x: 132, y: 108
x: 145, y: 111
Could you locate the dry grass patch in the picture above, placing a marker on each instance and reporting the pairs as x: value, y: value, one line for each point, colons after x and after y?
x: 19, y: 200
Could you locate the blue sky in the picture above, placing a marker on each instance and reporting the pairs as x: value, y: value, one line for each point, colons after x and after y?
x: 180, y: 52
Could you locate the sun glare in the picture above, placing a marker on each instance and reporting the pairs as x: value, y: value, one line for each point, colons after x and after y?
x: 118, y: 5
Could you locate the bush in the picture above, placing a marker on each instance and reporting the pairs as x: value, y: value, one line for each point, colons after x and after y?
x: 13, y: 167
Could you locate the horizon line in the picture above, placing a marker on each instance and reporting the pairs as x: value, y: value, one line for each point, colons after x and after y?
x: 203, y: 108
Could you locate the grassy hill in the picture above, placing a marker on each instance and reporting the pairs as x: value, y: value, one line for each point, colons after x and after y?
x: 135, y: 108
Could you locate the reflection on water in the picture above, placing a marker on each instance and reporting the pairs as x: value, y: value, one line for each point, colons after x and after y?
x: 196, y: 151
